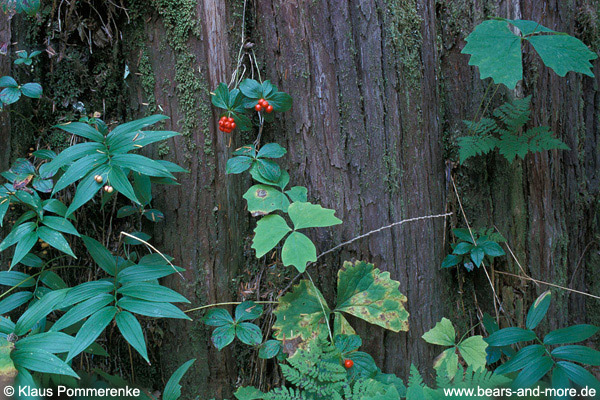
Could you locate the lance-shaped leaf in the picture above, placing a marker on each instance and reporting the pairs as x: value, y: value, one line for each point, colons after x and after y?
x: 367, y: 293
x: 301, y: 313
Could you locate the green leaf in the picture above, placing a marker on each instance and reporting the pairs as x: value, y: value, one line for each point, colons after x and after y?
x: 281, y: 183
x: 173, y: 389
x: 472, y: 350
x: 52, y: 280
x: 220, y: 98
x: 118, y: 179
x: 451, y: 260
x: 271, y: 150
x: 82, y: 129
x: 15, y: 278
x: 307, y: 215
x: 143, y: 273
x: 510, y: 335
x: 18, y: 232
x: 137, y: 238
x: 579, y: 375
x: 41, y: 361
x: 496, y: 50
x: 535, y: 371
x: 85, y: 291
x: 268, y: 232
x: 462, y: 248
x: 87, y: 188
x: 154, y: 215
x: 538, y: 310
x: 263, y: 199
x: 83, y: 310
x: 563, y: 53
x: 298, y: 250
x: 477, y: 255
x: 447, y: 363
x: 522, y: 359
x: 10, y: 95
x: 297, y: 194
x: 151, y: 309
x: 268, y: 169
x: 101, y: 255
x: 560, y: 380
x: 301, y: 313
x: 347, y: 343
x: 239, y: 164
x: 38, y: 311
x: 367, y: 293
x: 269, y: 349
x: 55, y: 239
x: 491, y: 248
x: 151, y: 292
x: 131, y: 330
x: 33, y: 90
x: 141, y: 164
x: 442, y: 333
x: 8, y: 81
x: 580, y: 354
x: 91, y: 329
x: 248, y: 150
x: 134, y: 126
x: 223, y: 336
x: 13, y: 301
x: 248, y: 311
x: 341, y: 326
x: 79, y: 169
x: 280, y: 101
x: 572, y: 334
x: 251, y: 89
x: 24, y: 246
x: 248, y: 333
x: 364, y: 364
x: 60, y: 224
x: 52, y: 342
x: 218, y: 317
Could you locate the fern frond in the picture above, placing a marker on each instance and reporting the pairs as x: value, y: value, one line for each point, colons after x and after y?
x: 534, y: 140
x: 482, y: 127
x: 285, y: 393
x: 470, y: 146
x: 514, y: 114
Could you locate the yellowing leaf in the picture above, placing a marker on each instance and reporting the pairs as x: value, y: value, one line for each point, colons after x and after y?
x: 442, y: 333
x: 300, y: 313
x: 472, y: 349
x: 367, y: 293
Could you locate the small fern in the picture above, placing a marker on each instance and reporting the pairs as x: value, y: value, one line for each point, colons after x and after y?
x: 504, y: 133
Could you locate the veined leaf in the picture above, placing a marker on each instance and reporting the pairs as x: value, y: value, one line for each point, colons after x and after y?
x: 442, y: 333
x: 39, y: 310
x: 367, y: 293
x: 151, y: 309
x: 101, y: 255
x: 298, y: 250
x: 268, y: 232
x: 263, y: 199
x: 151, y: 292
x: 307, y: 215
x: 301, y: 313
x: 83, y: 310
x: 577, y: 353
x: 173, y: 389
x: 510, y: 335
x: 82, y: 129
x: 54, y: 239
x: 572, y: 334
x: 131, y: 330
x: 41, y: 361
x: 538, y: 310
x: 91, y: 329
x: 13, y: 301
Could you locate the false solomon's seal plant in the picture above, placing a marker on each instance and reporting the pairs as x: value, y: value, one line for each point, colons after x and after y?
x: 57, y: 323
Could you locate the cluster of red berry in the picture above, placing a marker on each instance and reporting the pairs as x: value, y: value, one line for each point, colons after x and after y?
x: 226, y: 124
x: 263, y: 104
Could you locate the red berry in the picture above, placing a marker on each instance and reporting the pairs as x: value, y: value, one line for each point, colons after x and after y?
x: 221, y: 122
x: 221, y: 129
x: 269, y: 109
x: 258, y: 107
x: 348, y: 364
x: 233, y: 125
x: 228, y: 125
x: 230, y: 120
x: 263, y: 103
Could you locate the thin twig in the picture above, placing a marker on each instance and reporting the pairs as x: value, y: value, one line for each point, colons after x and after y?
x: 156, y: 250
x: 361, y: 237
x: 229, y: 303
x: 549, y: 284
x: 383, y: 228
